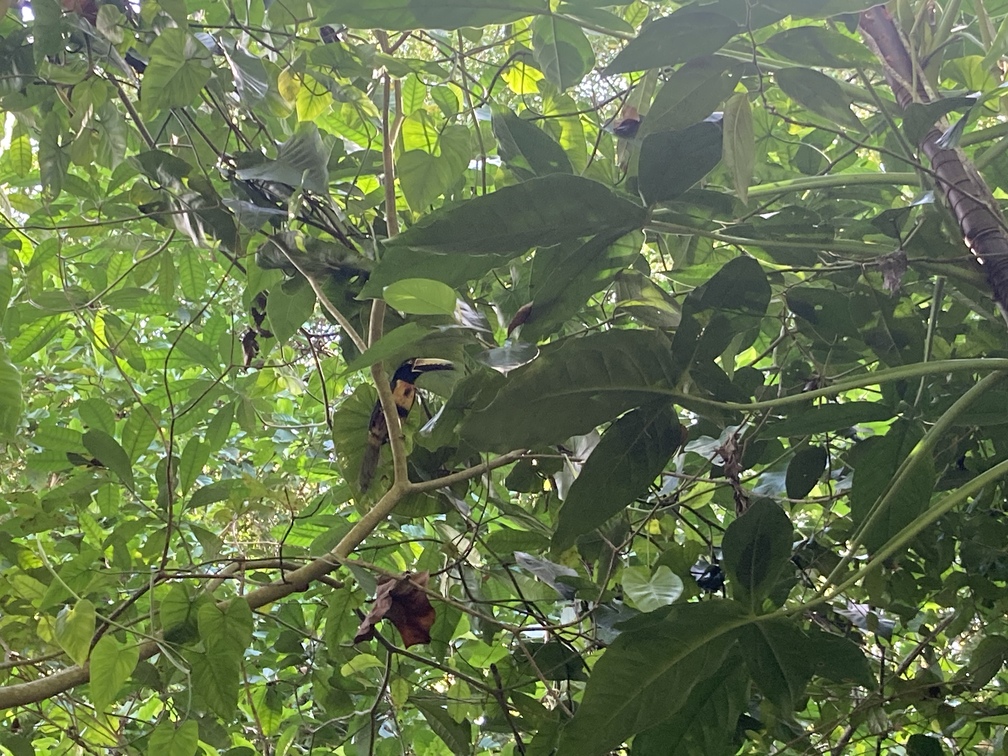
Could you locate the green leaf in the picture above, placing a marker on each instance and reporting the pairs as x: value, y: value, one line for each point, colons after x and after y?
x: 303, y: 160
x: 631, y: 454
x: 673, y: 161
x: 525, y: 147
x: 34, y: 337
x: 169, y: 740
x: 875, y: 461
x: 691, y: 94
x: 6, y: 284
x: 566, y: 275
x: 779, y: 660
x: 537, y: 213
x: 420, y: 296
x: 757, y: 548
x: 540, y: 212
x: 920, y: 744
x: 192, y: 274
x: 216, y: 672
x: 250, y: 77
x: 425, y: 176
x: 53, y: 156
x: 394, y: 343
x: 820, y: 47
x: 707, y: 721
x: 649, y: 592
x: 194, y: 457
x: 740, y: 143
x: 595, y: 18
x: 288, y: 307
x: 573, y: 388
x: 174, y: 609
x: 138, y: 432
x: 111, y: 665
x: 219, y: 429
x: 919, y: 117
x: 178, y: 69
x: 96, y: 413
x: 74, y: 629
x: 456, y: 735
x: 396, y: 15
x: 684, y: 34
x: 819, y: 93
x: 647, y: 675
x: 227, y: 629
x: 108, y: 451
x: 11, y: 404
x: 823, y: 418
x: 839, y: 659
x: 804, y: 471
x: 561, y: 51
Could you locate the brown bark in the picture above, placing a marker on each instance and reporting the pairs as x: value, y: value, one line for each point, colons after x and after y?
x: 965, y: 192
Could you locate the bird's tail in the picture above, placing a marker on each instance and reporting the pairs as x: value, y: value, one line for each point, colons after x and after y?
x: 370, y: 462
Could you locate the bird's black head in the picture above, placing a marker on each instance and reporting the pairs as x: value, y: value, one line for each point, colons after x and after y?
x: 413, y: 368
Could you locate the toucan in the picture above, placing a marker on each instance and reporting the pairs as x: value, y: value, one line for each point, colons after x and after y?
x: 404, y: 392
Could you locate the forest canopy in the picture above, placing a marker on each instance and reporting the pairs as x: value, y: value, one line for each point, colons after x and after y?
x: 469, y: 377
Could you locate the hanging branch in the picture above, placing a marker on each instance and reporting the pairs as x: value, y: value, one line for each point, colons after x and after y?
x: 956, y: 178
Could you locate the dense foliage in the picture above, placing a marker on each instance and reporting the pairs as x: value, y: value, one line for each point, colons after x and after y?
x: 720, y: 465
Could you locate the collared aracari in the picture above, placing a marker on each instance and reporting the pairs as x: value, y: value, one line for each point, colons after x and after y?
x: 404, y: 392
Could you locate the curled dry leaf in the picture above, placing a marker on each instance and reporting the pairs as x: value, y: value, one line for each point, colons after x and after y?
x: 893, y: 267
x: 520, y: 317
x: 403, y: 602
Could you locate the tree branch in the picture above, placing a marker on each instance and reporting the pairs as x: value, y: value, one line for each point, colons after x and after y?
x: 298, y: 580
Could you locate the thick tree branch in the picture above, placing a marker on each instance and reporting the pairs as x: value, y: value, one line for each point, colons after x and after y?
x: 966, y: 193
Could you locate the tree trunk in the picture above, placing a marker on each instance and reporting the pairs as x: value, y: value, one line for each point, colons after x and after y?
x: 956, y: 179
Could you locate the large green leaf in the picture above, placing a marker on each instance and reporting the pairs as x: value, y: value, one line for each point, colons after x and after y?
x: 74, y: 629
x: 509, y: 221
x: 111, y: 665
x: 108, y: 451
x: 875, y: 461
x: 566, y: 275
x: 401, y: 15
x: 691, y: 94
x: 425, y: 176
x: 561, y: 50
x: 288, y: 307
x: 707, y: 721
x: 227, y: 629
x: 646, y: 676
x: 172, y: 739
x: 11, y: 405
x: 420, y: 296
x: 757, y: 548
x: 572, y: 388
x: 820, y: 47
x: 648, y: 592
x: 779, y: 659
x: 819, y: 93
x: 673, y: 161
x: 632, y: 453
x: 537, y: 213
x: 804, y: 471
x: 456, y: 735
x: 303, y: 160
x: 740, y: 143
x: 526, y: 148
x: 806, y: 420
x: 682, y: 35
x: 179, y: 68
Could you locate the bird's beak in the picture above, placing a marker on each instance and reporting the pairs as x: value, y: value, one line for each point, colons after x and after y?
x: 426, y: 365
